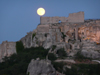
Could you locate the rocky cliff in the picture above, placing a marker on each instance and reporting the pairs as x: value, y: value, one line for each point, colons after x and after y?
x: 67, y: 35
x: 73, y: 37
x: 70, y: 36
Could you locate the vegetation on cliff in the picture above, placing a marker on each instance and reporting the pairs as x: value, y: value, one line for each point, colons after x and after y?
x: 61, y: 53
x: 51, y: 56
x: 63, y: 35
x: 80, y: 57
x: 33, y: 35
x: 19, y: 46
x: 77, y: 69
x: 17, y: 64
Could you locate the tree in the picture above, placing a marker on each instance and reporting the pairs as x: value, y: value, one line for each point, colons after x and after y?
x: 19, y: 46
x: 61, y: 52
x: 51, y: 56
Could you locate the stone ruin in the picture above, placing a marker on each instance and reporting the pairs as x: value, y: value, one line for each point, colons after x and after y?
x: 73, y: 18
x: 75, y: 29
x: 7, y: 49
x: 72, y: 33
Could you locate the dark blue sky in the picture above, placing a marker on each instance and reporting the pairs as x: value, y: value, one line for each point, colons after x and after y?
x: 17, y: 17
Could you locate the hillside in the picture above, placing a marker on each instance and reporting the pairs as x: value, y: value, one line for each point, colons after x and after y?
x: 67, y: 45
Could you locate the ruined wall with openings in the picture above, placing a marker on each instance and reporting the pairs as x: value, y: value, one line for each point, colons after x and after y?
x: 73, y: 17
x: 46, y: 20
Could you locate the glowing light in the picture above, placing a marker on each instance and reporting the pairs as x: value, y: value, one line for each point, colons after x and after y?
x: 88, y: 38
x: 41, y: 11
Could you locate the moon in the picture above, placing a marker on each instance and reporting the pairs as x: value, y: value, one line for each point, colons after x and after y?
x: 40, y: 11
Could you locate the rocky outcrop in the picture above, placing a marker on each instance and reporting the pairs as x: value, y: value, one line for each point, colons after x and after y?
x: 70, y: 34
x: 66, y: 35
x: 43, y: 37
x: 53, y: 37
x: 7, y: 49
x: 89, y: 49
x: 40, y: 67
x: 27, y: 40
x: 91, y: 32
x: 48, y: 42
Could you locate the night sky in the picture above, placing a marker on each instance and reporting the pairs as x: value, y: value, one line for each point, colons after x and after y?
x: 17, y: 17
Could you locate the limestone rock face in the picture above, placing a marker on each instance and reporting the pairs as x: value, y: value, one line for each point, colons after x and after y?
x: 40, y: 67
x: 63, y: 32
x: 91, y: 54
x: 91, y: 32
x: 48, y: 42
x: 67, y: 35
x: 89, y: 49
x: 46, y: 38
x: 7, y: 49
x: 27, y: 40
x: 39, y: 39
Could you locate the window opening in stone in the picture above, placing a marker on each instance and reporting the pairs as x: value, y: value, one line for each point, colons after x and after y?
x: 59, y: 21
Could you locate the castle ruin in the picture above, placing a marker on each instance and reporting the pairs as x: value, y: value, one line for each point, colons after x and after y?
x: 72, y: 33
x: 74, y: 25
x: 73, y: 18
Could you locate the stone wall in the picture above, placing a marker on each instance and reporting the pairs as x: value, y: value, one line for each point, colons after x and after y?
x: 7, y: 49
x: 43, y: 28
x: 76, y: 17
x: 98, y: 21
x: 46, y: 20
x: 73, y: 17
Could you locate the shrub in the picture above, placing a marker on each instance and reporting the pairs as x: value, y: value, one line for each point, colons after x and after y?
x: 19, y: 46
x: 80, y: 56
x: 73, y: 41
x: 63, y: 35
x: 28, y: 73
x: 53, y: 47
x: 83, y: 69
x: 17, y: 64
x: 58, y: 66
x: 51, y: 56
x: 45, y: 34
x: 61, y: 52
x: 33, y: 35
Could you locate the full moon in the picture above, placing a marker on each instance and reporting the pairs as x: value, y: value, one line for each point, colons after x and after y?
x: 41, y: 11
